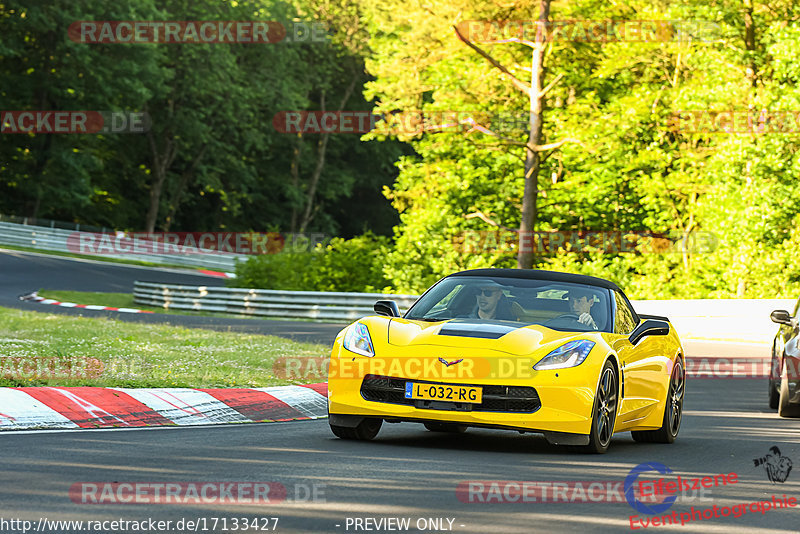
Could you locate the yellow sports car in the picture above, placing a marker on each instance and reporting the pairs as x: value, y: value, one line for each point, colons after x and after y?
x: 561, y: 354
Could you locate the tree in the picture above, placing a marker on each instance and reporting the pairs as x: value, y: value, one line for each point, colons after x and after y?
x: 211, y: 159
x: 43, y: 70
x: 533, y: 147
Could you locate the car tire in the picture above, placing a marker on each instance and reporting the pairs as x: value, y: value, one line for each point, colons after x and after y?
x: 604, y: 411
x: 366, y: 430
x: 450, y: 428
x: 785, y: 409
x: 774, y: 394
x: 774, y: 381
x: 673, y: 411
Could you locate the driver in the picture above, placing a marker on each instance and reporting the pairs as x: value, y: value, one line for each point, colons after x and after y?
x: 580, y: 302
x: 491, y: 302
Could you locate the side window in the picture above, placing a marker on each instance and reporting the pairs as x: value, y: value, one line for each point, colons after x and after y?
x: 624, y: 323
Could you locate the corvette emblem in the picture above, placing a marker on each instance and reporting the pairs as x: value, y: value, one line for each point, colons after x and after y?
x: 448, y: 364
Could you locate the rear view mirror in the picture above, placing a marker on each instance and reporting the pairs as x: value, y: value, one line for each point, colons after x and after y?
x: 387, y: 307
x: 649, y: 327
x: 781, y: 317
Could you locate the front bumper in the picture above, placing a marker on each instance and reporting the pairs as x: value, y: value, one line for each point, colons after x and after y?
x: 496, y: 398
x: 554, y: 401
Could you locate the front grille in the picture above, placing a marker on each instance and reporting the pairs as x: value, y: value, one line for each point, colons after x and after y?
x: 516, y: 399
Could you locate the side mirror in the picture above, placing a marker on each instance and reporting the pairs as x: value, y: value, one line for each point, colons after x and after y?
x: 387, y: 307
x: 781, y: 317
x: 649, y: 327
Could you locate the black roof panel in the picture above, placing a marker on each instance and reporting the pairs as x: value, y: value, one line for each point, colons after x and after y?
x: 537, y: 274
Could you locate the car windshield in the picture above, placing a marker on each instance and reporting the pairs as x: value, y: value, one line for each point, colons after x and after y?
x: 558, y: 305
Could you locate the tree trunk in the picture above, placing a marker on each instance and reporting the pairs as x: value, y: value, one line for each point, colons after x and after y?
x: 186, y: 177
x: 295, y: 173
x: 750, y: 42
x: 42, y: 155
x: 322, y: 146
x: 161, y: 163
x: 530, y: 195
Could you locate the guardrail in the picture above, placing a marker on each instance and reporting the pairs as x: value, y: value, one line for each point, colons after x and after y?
x: 52, y: 223
x: 55, y: 239
x: 319, y: 305
x: 740, y: 320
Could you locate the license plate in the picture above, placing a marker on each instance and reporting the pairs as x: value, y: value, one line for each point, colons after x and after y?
x: 444, y: 392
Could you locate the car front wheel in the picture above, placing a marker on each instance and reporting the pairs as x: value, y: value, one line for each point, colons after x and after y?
x: 604, y: 411
x: 785, y: 408
x: 365, y: 430
x: 774, y: 380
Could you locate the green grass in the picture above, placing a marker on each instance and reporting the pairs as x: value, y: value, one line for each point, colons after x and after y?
x: 39, y: 349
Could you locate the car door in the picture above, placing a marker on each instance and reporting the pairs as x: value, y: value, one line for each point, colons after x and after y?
x: 643, y: 365
x: 788, y: 351
x: 787, y: 333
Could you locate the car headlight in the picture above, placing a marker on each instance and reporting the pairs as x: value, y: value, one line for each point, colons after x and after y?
x: 568, y: 355
x: 357, y: 340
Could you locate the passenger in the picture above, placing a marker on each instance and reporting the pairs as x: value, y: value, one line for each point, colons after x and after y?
x: 580, y: 302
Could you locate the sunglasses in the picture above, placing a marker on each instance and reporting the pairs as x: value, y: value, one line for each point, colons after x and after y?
x: 488, y: 292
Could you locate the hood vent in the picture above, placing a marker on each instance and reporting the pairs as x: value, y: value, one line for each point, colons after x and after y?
x: 478, y: 328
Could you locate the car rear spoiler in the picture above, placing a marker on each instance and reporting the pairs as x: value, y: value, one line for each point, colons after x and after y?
x: 657, y: 317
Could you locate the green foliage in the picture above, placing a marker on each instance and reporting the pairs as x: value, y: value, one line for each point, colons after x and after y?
x: 212, y: 159
x: 625, y: 166
x: 342, y: 265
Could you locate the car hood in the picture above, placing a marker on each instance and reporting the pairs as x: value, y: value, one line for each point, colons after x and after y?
x: 503, y: 336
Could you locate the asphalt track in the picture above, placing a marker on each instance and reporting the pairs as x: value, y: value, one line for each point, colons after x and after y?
x: 406, y: 472
x: 23, y: 272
